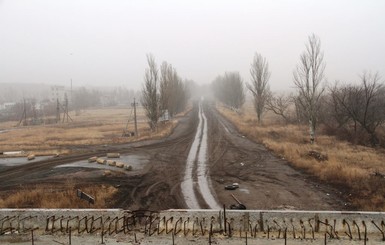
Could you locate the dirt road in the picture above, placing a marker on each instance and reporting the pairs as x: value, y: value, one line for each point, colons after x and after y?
x: 197, y: 159
x: 181, y: 166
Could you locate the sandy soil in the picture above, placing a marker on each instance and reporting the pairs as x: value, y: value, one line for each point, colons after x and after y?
x: 266, y: 182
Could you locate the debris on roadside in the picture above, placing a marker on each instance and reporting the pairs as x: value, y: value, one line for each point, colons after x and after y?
x: 101, y: 161
x: 92, y: 159
x: 233, y: 186
x: 113, y: 155
x: 378, y: 174
x: 111, y: 163
x: 239, y: 205
x: 31, y: 157
x: 318, y: 156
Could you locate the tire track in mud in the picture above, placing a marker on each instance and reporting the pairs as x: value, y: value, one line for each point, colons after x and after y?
x: 197, y: 158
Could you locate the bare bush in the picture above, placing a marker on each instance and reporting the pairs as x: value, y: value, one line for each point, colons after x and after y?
x: 360, y: 107
x: 280, y: 105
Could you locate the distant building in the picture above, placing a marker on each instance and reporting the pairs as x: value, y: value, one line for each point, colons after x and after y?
x: 165, y: 116
x: 7, y: 106
x: 57, y: 92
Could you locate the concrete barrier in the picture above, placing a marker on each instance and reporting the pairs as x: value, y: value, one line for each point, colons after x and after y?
x: 257, y: 223
x: 23, y: 220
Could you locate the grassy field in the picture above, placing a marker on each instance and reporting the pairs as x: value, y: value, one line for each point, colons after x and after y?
x: 356, y: 170
x: 91, y: 127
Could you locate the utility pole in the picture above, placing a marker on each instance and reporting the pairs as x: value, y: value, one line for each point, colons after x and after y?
x: 71, y: 91
x: 65, y: 107
x: 136, y: 124
x: 24, y: 115
x: 57, y: 111
x: 72, y: 97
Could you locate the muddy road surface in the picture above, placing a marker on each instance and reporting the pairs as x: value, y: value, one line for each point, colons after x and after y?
x: 188, y: 169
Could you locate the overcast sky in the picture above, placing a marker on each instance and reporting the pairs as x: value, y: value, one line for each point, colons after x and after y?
x: 105, y: 42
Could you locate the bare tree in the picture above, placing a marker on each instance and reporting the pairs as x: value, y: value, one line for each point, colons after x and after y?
x: 150, y: 95
x: 341, y: 101
x: 180, y: 96
x: 259, y: 86
x: 361, y: 105
x: 372, y: 113
x: 279, y: 104
x: 229, y: 89
x: 308, y: 77
x: 166, y: 72
x: 173, y: 92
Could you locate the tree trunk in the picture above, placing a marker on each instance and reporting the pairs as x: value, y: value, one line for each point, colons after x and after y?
x: 312, y: 131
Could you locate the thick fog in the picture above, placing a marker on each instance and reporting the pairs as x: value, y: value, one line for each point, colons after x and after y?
x: 96, y: 42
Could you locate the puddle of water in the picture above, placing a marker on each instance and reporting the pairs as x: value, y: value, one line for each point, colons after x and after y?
x: 244, y: 190
x: 16, y: 161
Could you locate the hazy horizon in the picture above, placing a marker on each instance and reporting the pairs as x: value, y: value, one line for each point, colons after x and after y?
x: 104, y: 43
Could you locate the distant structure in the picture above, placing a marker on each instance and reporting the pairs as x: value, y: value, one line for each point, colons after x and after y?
x: 57, y: 93
x: 23, y: 119
x: 7, y: 105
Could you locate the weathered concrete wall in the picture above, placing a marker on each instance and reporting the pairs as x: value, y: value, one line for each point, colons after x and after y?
x: 257, y: 223
x: 332, y: 222
x: 23, y: 220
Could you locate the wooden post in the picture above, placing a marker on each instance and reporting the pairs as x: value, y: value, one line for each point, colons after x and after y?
x: 136, y: 124
x: 224, y: 217
x: 70, y: 238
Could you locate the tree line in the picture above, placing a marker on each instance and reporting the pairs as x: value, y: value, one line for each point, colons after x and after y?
x: 351, y: 111
x: 229, y: 89
x: 163, y: 93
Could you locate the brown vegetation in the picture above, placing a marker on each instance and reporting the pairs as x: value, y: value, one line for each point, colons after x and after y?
x: 356, y: 170
x: 48, y: 196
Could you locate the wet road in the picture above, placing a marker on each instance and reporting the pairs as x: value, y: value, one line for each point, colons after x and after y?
x: 197, y: 160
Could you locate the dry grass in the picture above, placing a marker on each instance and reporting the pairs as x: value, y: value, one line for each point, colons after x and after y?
x: 91, y: 127
x: 44, y: 196
x: 350, y: 167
